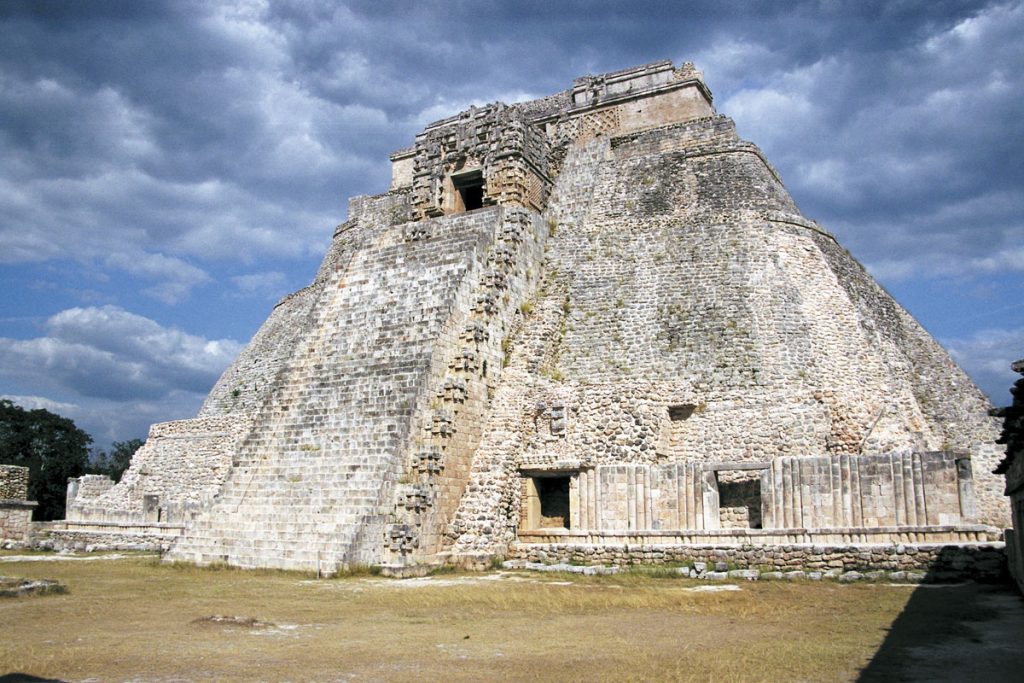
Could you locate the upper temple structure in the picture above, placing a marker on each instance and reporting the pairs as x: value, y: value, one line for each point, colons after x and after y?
x: 593, y: 320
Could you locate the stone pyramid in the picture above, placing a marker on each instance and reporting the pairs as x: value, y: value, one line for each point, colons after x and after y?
x: 591, y: 320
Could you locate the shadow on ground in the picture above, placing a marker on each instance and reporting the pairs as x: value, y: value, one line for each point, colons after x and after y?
x: 954, y: 632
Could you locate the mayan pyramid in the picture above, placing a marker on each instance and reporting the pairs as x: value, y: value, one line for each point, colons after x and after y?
x: 596, y: 318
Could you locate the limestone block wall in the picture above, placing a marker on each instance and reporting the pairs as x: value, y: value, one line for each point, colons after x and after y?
x: 363, y: 443
x: 176, y: 473
x: 629, y: 100
x: 465, y: 371
x: 684, y: 282
x: 87, y: 487
x: 15, y: 520
x: 15, y: 508
x: 824, y: 492
x: 942, y: 562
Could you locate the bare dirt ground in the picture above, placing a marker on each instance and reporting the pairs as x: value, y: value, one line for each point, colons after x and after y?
x: 131, y: 618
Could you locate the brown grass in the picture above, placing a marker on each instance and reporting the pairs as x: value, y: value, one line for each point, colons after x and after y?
x: 134, y: 618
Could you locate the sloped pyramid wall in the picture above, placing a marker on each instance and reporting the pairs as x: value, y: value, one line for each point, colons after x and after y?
x: 396, y: 360
x: 681, y: 273
x: 668, y: 327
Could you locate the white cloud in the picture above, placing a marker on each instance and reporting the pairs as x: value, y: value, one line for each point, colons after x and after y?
x: 986, y: 356
x: 112, y: 371
x: 110, y: 353
x: 42, y: 403
x: 271, y: 284
x: 177, y: 278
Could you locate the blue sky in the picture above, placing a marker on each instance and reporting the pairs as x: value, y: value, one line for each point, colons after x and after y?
x: 168, y: 170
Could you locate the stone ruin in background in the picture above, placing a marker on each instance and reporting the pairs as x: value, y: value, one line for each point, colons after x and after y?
x: 15, y: 508
x: 590, y: 323
x: 1012, y: 467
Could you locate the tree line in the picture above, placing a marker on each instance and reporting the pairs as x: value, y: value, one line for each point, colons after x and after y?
x: 54, y: 450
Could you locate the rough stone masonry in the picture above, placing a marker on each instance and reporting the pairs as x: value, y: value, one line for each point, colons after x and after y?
x: 15, y: 508
x: 591, y: 322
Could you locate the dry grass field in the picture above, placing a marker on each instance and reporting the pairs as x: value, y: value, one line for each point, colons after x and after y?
x: 135, y: 619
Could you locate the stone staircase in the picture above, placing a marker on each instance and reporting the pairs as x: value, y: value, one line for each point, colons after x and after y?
x: 312, y: 485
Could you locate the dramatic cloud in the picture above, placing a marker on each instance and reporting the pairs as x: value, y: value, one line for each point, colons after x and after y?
x: 187, y: 161
x: 118, y: 358
x: 986, y: 356
x: 908, y: 154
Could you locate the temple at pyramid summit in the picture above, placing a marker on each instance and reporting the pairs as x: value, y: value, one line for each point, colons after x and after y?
x: 593, y: 326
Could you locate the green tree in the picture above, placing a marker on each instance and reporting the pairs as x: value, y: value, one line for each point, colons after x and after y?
x: 52, y: 448
x: 114, y: 464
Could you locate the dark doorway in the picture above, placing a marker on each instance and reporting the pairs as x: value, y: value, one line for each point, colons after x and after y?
x: 739, y: 503
x: 469, y: 188
x: 553, y: 494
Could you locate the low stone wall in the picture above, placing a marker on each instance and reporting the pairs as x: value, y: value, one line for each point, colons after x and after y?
x: 99, y: 536
x: 15, y: 519
x: 887, y: 535
x: 981, y: 561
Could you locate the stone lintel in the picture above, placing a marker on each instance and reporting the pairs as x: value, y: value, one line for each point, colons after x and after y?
x: 18, y: 504
x: 548, y: 467
x: 719, y: 466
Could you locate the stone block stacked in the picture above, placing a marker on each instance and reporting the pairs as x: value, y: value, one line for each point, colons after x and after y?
x: 595, y: 320
x: 15, y: 508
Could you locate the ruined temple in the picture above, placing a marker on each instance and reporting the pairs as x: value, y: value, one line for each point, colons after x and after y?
x: 591, y: 321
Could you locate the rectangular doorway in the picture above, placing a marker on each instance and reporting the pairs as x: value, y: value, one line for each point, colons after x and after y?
x: 469, y: 190
x: 546, y: 502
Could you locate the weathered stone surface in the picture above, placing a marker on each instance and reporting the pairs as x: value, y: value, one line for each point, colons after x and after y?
x: 981, y: 561
x: 593, y: 321
x: 745, y: 574
x: 15, y: 508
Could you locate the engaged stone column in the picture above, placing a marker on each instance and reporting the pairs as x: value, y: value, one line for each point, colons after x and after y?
x: 965, y: 481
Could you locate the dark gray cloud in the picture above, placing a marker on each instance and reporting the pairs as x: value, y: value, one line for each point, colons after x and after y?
x: 178, y: 150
